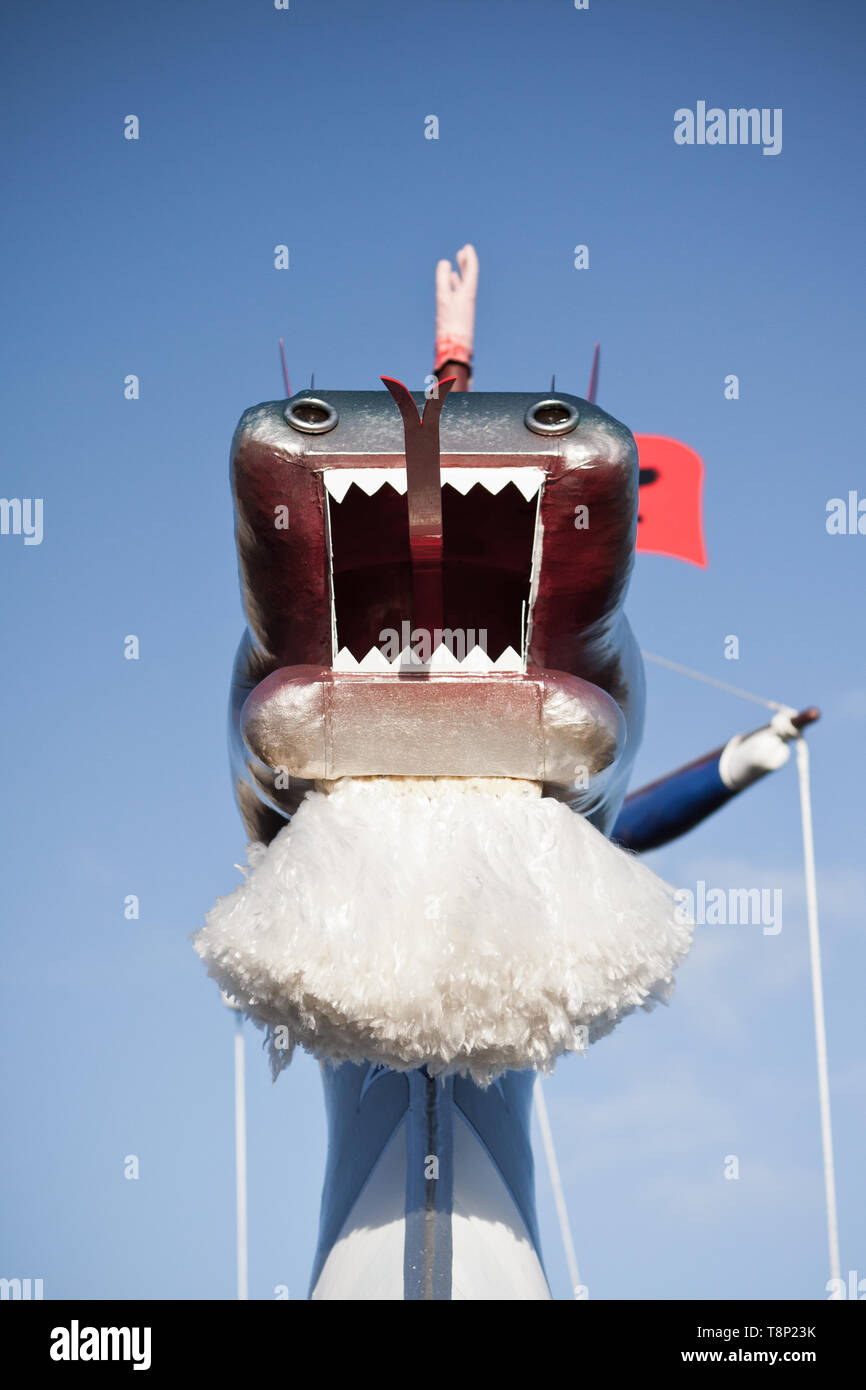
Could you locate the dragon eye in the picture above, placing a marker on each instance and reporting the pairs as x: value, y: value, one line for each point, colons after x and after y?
x: 311, y: 416
x: 551, y: 417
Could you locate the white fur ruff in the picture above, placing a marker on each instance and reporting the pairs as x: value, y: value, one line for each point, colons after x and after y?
x: 470, y: 928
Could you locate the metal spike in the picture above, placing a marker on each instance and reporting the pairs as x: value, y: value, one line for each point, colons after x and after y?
x: 592, y: 390
x: 285, y: 368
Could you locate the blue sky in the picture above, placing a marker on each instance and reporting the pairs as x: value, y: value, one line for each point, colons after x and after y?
x: 155, y: 257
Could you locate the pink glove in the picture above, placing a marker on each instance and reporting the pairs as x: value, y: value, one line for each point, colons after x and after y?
x: 455, y: 308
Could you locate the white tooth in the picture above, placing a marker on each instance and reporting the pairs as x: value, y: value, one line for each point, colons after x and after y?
x: 339, y: 480
x: 527, y: 480
x: 374, y: 661
x: 477, y: 660
x: 344, y: 661
x: 508, y: 661
x: 495, y: 479
x: 443, y: 659
x: 408, y: 660
x: 462, y: 479
x: 371, y: 479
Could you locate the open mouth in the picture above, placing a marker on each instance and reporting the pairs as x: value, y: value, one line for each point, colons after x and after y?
x: 426, y: 605
x: 490, y: 535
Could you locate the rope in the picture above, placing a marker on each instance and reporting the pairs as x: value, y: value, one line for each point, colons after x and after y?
x: 241, y: 1158
x: 814, y: 948
x: 556, y: 1184
x: 711, y: 680
x: 818, y: 1007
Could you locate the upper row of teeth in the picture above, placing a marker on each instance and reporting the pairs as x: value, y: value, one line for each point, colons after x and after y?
x: 441, y: 660
x: 527, y: 480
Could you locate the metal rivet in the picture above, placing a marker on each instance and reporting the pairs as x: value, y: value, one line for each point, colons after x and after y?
x: 310, y: 415
x: 551, y: 416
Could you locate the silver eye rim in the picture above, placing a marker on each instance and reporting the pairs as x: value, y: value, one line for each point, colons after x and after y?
x: 311, y: 426
x: 558, y: 427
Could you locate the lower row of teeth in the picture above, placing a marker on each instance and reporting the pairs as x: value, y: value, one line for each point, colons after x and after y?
x: 442, y: 659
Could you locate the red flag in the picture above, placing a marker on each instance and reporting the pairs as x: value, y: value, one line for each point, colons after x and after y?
x: 669, y: 505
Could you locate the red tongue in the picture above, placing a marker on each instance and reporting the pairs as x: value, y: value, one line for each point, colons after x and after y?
x: 424, y: 495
